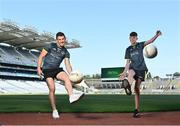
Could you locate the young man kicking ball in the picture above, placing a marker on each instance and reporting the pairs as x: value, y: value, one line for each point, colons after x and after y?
x: 53, y: 56
x: 135, y: 65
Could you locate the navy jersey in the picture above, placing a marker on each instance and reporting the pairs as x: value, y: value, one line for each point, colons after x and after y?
x: 135, y: 54
x: 54, y: 56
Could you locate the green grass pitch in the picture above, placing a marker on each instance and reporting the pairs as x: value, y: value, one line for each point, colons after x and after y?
x: 89, y: 103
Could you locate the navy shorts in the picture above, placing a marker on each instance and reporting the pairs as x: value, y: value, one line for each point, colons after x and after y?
x: 140, y: 74
x: 51, y: 72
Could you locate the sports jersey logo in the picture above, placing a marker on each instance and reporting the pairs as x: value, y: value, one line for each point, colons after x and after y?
x: 62, y: 53
x: 134, y: 53
x: 54, y: 49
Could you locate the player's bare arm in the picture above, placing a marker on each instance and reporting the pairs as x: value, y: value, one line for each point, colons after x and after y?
x: 158, y: 33
x: 68, y: 65
x: 39, y: 61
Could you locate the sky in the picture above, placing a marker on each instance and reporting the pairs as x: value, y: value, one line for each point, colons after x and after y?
x: 102, y: 28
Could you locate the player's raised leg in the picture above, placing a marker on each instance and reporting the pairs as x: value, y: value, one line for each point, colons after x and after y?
x: 64, y: 77
x: 131, y: 74
x: 68, y: 85
x: 126, y: 83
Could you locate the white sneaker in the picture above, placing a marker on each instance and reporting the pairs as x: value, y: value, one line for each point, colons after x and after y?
x: 55, y: 114
x: 75, y: 97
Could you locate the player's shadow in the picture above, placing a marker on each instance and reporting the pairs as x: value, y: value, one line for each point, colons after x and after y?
x: 88, y: 116
x: 149, y: 115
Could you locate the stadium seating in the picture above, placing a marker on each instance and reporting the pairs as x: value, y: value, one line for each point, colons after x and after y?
x: 27, y: 56
x: 28, y: 87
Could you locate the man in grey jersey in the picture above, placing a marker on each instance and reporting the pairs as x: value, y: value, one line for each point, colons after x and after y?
x: 135, y: 65
x: 53, y: 55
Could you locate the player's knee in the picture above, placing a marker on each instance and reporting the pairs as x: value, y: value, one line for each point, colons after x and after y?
x: 51, y: 89
x: 131, y: 73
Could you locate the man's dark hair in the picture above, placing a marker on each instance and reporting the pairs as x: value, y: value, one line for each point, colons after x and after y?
x: 133, y: 34
x: 60, y: 34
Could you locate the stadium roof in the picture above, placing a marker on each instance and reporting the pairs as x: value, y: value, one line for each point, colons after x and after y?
x: 11, y: 33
